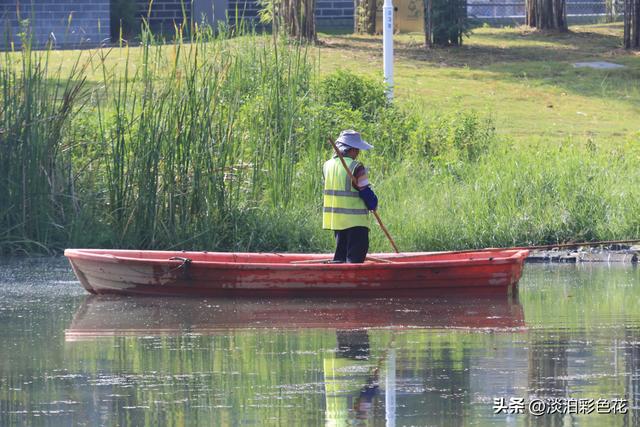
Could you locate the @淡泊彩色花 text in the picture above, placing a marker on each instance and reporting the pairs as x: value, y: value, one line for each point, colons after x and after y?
x: 547, y: 406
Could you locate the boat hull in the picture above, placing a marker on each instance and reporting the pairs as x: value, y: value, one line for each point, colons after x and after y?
x: 236, y: 274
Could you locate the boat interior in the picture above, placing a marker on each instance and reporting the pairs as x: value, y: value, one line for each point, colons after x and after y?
x: 291, y: 258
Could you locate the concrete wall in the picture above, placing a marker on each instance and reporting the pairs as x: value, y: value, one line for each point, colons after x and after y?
x: 334, y: 15
x: 247, y: 9
x: 209, y: 11
x: 164, y: 14
x: 330, y: 14
x: 48, y: 20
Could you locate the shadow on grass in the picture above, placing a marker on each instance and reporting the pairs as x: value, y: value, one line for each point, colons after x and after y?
x: 486, y: 48
x: 590, y: 41
x: 469, y: 55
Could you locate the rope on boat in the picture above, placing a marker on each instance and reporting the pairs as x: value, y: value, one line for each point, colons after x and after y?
x: 186, y: 262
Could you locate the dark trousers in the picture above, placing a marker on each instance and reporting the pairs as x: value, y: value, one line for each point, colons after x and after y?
x: 352, y: 245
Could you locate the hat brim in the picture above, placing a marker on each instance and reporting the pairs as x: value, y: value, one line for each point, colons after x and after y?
x: 360, y: 145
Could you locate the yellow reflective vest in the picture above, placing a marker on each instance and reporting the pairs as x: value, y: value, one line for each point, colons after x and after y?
x: 342, y: 208
x: 343, y: 382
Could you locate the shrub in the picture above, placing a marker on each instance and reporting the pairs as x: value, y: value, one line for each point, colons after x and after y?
x: 359, y: 93
x: 462, y: 136
x: 446, y: 22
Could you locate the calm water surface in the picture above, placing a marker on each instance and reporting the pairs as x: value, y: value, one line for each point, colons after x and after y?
x: 67, y: 358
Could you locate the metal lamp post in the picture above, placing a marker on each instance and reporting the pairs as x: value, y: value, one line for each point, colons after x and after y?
x: 387, y: 35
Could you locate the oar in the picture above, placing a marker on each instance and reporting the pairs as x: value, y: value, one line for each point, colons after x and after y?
x: 355, y: 182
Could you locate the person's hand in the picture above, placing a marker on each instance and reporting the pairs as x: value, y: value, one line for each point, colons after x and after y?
x: 369, y: 198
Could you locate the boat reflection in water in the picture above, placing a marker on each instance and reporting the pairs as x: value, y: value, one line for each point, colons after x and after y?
x: 101, y: 316
x: 359, y: 374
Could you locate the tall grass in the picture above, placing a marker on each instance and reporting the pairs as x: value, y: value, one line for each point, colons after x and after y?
x: 515, y: 195
x: 37, y: 105
x: 198, y: 134
x: 215, y: 142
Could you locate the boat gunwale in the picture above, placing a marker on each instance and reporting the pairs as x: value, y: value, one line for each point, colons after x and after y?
x: 91, y: 255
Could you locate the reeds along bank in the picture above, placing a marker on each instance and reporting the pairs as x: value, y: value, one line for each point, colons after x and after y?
x: 216, y: 142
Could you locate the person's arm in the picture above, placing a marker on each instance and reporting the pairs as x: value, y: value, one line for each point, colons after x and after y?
x: 364, y: 189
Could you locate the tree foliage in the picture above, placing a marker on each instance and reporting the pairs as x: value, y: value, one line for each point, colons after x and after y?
x: 445, y: 22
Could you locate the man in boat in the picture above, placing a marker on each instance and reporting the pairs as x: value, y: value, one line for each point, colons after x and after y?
x: 347, y: 204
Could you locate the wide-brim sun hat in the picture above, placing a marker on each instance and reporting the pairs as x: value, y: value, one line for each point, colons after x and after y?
x: 353, y: 139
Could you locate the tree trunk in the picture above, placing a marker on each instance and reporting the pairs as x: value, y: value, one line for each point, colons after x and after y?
x: 530, y: 13
x: 373, y: 8
x: 632, y: 24
x: 546, y: 14
x: 309, y: 21
x: 461, y: 15
x: 428, y: 24
x: 365, y: 17
x: 297, y: 18
x: 611, y: 10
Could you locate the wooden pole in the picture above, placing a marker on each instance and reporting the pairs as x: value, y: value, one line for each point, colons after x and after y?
x: 355, y: 182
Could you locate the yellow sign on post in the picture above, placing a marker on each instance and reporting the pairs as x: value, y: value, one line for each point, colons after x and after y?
x: 408, y: 16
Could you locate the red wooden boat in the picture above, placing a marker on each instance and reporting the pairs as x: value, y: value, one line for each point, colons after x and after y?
x: 104, y: 316
x: 103, y: 271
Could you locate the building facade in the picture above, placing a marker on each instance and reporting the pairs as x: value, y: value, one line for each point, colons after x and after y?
x: 63, y: 23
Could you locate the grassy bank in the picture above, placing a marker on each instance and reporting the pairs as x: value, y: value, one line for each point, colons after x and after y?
x: 216, y: 143
x: 524, y: 79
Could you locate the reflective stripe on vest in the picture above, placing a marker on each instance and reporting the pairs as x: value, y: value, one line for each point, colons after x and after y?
x: 346, y: 211
x: 342, y: 207
x: 340, y: 193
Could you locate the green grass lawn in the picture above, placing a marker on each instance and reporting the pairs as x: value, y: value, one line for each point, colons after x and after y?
x: 524, y: 79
